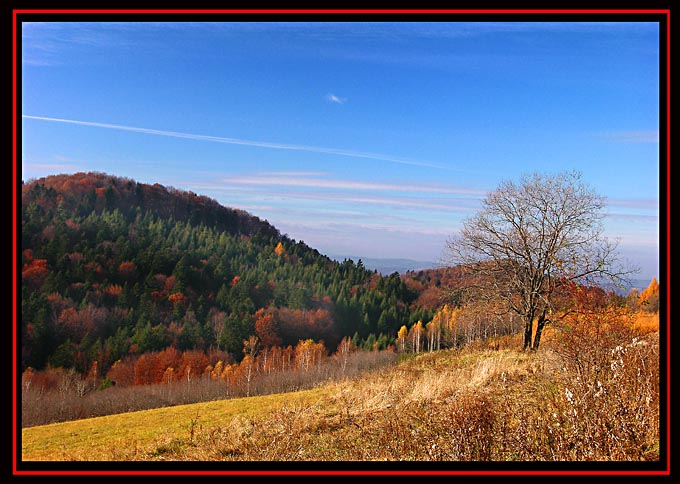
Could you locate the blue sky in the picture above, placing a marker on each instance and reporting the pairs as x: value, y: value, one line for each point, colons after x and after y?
x: 362, y: 139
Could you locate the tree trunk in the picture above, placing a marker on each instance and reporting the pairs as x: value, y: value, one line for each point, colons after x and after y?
x: 539, y: 330
x: 527, y: 334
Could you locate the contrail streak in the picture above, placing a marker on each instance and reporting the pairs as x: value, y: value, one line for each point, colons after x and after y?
x: 243, y: 142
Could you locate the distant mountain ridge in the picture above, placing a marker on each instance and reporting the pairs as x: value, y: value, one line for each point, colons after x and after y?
x: 387, y: 266
x: 639, y: 284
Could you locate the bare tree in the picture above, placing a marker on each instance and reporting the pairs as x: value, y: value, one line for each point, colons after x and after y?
x: 531, y: 238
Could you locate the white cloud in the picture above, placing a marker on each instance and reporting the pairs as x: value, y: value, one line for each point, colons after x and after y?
x: 332, y: 98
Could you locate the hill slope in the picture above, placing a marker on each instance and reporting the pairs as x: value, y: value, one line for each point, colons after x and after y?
x: 112, y: 269
x: 473, y: 404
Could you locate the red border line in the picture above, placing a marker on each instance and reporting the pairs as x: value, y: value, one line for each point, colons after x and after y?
x: 348, y: 472
x: 14, y: 241
x: 16, y: 12
x: 347, y: 11
x: 667, y: 282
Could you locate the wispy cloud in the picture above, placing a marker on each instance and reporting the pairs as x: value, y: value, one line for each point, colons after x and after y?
x: 332, y: 98
x: 634, y: 136
x: 367, y: 241
x: 383, y: 228
x: 49, y: 43
x: 54, y: 167
x: 635, y: 203
x: 295, y: 180
x: 293, y: 173
x: 397, y: 31
x: 426, y: 204
x: 339, y: 193
x: 307, y: 213
x: 38, y: 165
x: 633, y: 217
x: 244, y: 142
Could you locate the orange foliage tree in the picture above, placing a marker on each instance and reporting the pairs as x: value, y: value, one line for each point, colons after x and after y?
x: 591, y: 328
x: 416, y: 337
x: 649, y: 298
x: 401, y: 338
x: 267, y: 328
x: 308, y: 354
x: 127, y: 269
x: 34, y: 271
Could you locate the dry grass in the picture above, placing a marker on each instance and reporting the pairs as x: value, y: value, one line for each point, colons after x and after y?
x: 131, y: 436
x: 646, y: 322
x: 475, y: 404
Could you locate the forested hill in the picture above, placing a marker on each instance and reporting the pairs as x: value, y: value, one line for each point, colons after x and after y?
x: 83, y: 193
x: 112, y: 268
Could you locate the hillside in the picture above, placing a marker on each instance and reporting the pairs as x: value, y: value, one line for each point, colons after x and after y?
x: 112, y: 269
x: 479, y: 403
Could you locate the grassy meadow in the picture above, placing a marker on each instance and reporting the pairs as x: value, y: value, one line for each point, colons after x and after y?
x: 485, y: 402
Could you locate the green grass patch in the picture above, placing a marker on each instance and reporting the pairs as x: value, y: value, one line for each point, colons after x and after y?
x: 116, y: 436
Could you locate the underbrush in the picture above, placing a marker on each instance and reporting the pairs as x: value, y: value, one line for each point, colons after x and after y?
x: 67, y: 401
x: 473, y: 404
